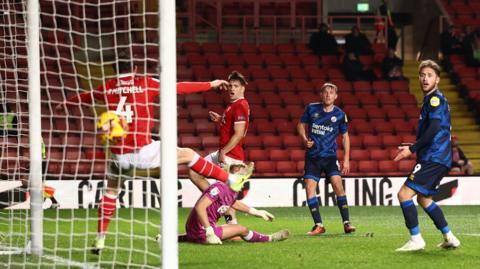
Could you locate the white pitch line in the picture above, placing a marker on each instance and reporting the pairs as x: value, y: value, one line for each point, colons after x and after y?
x: 68, y: 262
x: 468, y: 234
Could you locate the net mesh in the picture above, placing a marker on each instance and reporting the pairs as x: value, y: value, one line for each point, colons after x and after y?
x: 80, y: 44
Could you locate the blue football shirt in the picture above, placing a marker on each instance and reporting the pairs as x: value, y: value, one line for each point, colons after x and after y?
x: 323, y: 129
x: 435, y: 106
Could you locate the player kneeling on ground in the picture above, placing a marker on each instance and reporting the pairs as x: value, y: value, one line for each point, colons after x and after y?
x: 201, y: 226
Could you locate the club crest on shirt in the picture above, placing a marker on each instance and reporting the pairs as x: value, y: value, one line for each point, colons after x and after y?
x: 333, y: 119
x: 215, y: 191
x: 223, y: 209
x: 315, y: 115
x: 434, y: 101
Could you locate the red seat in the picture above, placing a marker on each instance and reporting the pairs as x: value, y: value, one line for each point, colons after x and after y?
x: 193, y: 142
x: 371, y: 141
x: 379, y: 154
x: 278, y: 155
x: 404, y: 128
x: 359, y: 154
x: 248, y: 48
x: 278, y: 73
x: 189, y: 47
x: 367, y: 166
x: 259, y: 112
x: 362, y: 86
x: 259, y: 73
x: 391, y: 141
x: 229, y: 48
x: 256, y: 155
x: 271, y: 60
x: 271, y: 141
x: 210, y: 142
x: 309, y: 60
x: 406, y: 165
x: 270, y: 98
x: 398, y: 86
x: 297, y: 154
x: 252, y: 60
x: 251, y: 142
x: 267, y: 48
x: 234, y: 59
x: 329, y: 60
x: 387, y: 166
x: 287, y: 168
x: 381, y: 86
x: 376, y: 113
x: 385, y: 128
x: 291, y: 60
x: 215, y: 60
x: 297, y: 73
x: 285, y: 127
x: 263, y: 126
x: 264, y: 167
x: 395, y: 113
x: 292, y: 141
x: 265, y: 86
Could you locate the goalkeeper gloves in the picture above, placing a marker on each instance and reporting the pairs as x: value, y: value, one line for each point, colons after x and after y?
x: 212, y: 238
x: 265, y: 215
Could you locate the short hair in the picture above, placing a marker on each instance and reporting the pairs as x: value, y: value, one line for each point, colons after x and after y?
x: 431, y: 64
x: 235, y: 75
x: 328, y: 85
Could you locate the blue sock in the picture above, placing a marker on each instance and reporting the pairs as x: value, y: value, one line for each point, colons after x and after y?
x: 436, y: 214
x: 411, y: 216
x: 314, y: 209
x: 343, y: 207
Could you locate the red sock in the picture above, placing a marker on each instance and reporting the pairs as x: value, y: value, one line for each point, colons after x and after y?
x: 208, y: 169
x: 106, y: 210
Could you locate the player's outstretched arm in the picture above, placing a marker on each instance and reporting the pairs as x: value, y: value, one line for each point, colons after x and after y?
x: 192, y: 87
x: 265, y: 215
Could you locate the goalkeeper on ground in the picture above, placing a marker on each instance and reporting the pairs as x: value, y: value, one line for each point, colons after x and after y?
x: 201, y: 226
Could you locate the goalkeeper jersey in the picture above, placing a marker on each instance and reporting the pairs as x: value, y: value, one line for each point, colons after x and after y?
x: 134, y: 98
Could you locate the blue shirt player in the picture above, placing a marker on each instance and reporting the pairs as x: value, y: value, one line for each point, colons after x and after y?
x: 324, y: 121
x: 434, y: 158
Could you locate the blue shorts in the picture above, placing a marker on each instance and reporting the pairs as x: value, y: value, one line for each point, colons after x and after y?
x: 315, y: 166
x: 426, y: 177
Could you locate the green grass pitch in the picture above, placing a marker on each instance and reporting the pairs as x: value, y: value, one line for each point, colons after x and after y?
x: 332, y: 250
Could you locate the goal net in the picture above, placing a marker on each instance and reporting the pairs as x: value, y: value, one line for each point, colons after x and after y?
x: 81, y: 43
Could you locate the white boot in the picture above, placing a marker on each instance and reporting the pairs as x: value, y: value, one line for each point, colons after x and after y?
x: 414, y: 244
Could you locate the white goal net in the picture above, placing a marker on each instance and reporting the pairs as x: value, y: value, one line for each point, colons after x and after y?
x: 81, y: 42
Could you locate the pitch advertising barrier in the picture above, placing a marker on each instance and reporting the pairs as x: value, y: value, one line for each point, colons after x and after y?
x: 262, y: 192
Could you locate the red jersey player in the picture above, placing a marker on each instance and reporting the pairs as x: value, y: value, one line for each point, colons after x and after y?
x: 132, y: 97
x: 233, y: 126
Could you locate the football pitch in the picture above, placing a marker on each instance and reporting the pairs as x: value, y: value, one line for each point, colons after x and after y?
x: 379, y: 231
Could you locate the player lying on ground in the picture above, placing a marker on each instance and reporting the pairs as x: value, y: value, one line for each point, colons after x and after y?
x: 201, y: 226
x: 132, y: 97
x: 325, y: 121
x: 434, y: 158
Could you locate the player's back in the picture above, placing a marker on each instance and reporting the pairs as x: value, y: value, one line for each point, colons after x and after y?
x: 132, y: 97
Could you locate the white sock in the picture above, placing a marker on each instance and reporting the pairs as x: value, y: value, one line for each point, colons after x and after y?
x: 248, y: 236
x: 447, y: 235
x: 417, y: 237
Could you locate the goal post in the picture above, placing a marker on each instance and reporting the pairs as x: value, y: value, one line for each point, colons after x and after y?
x: 168, y: 75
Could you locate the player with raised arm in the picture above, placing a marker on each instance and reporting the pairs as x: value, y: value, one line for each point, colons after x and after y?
x: 131, y: 97
x: 233, y: 125
x: 201, y: 226
x: 324, y: 122
x: 434, y: 158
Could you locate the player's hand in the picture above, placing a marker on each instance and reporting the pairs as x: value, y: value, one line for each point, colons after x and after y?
x: 308, y: 143
x: 461, y: 162
x: 221, y: 156
x: 215, y: 117
x: 404, y: 152
x: 212, y: 238
x: 265, y: 215
x: 219, y: 83
x: 346, y: 167
x: 61, y: 108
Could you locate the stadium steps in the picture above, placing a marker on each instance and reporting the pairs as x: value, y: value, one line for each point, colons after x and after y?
x: 464, y: 124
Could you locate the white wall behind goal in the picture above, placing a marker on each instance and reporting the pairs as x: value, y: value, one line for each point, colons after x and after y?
x: 265, y: 192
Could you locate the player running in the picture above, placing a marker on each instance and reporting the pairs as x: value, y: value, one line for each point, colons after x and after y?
x: 132, y: 97
x: 325, y: 121
x: 233, y: 126
x: 434, y: 158
x: 201, y: 226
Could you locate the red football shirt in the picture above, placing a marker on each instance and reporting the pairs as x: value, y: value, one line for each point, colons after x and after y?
x: 134, y: 97
x: 236, y: 112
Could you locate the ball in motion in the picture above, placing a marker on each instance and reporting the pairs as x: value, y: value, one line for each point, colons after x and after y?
x: 112, y: 126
